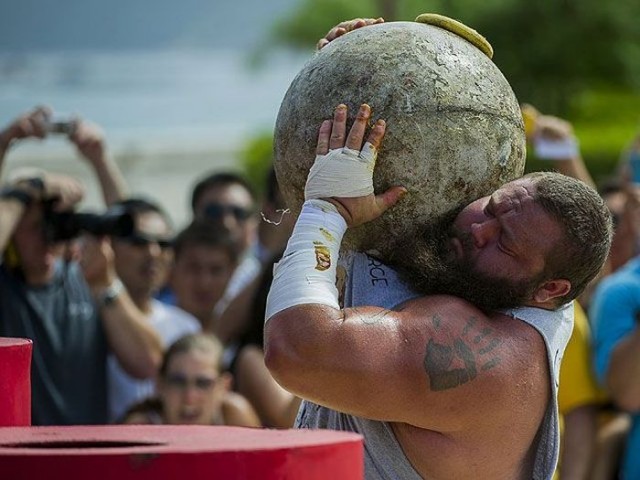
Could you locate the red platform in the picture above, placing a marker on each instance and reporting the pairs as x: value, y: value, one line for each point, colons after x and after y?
x: 15, y: 381
x: 178, y: 452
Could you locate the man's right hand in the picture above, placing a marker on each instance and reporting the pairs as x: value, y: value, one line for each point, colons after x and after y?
x: 345, y: 27
x: 31, y: 124
x: 64, y: 190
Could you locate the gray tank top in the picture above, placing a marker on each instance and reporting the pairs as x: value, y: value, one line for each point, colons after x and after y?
x: 370, y: 282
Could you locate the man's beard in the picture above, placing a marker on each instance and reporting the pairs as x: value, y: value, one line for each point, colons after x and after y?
x: 428, y: 264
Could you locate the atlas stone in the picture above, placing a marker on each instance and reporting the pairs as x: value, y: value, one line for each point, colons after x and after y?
x: 454, y: 127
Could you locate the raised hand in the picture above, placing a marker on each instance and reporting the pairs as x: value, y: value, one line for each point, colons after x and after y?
x: 345, y: 27
x: 31, y: 124
x: 343, y: 170
x: 89, y: 139
x: 97, y: 261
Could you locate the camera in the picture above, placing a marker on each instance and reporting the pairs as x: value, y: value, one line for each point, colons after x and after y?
x: 62, y: 126
x: 61, y: 226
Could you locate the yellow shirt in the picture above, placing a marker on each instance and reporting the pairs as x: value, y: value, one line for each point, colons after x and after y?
x: 578, y: 385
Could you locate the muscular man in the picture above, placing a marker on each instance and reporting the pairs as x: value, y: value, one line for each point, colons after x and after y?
x: 441, y: 386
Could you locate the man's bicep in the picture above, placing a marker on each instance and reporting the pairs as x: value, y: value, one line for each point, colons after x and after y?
x: 418, y: 365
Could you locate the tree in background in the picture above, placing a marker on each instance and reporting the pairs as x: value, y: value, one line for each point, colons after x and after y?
x: 551, y: 52
x: 575, y: 59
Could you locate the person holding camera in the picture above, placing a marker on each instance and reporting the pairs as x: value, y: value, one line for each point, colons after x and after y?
x: 75, y: 314
x: 86, y: 136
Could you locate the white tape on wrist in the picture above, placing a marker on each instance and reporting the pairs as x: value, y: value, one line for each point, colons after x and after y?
x: 342, y: 172
x: 307, y: 272
x: 561, y: 149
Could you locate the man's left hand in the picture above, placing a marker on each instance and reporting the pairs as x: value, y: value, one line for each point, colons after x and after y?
x: 343, y: 171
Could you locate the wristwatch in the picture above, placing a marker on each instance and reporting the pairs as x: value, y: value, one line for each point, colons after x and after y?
x: 109, y: 294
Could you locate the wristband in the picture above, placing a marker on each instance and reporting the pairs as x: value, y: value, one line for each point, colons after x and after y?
x: 307, y: 272
x: 562, y: 149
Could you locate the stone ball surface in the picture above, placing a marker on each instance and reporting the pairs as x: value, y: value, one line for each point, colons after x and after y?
x: 454, y: 127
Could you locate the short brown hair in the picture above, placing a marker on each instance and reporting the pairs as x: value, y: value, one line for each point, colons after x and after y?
x: 203, y: 233
x: 587, y: 225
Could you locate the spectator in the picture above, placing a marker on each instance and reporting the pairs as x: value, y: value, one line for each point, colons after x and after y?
x: 614, y: 312
x: 228, y: 201
x: 87, y: 137
x: 205, y: 259
x: 193, y: 390
x: 141, y: 261
x: 580, y: 401
x: 73, y: 321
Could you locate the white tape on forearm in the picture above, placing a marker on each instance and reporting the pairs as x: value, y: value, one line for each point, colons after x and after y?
x: 342, y: 172
x: 561, y: 149
x: 307, y: 272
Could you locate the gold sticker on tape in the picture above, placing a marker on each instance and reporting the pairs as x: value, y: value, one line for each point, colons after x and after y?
x: 323, y: 256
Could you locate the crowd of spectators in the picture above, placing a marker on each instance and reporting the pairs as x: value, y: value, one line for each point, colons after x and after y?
x: 157, y: 325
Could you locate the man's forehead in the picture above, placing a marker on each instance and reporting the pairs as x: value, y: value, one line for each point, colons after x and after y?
x: 152, y: 222
x: 232, y: 193
x: 520, y: 188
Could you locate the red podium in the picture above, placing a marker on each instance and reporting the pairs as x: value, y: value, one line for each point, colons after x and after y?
x: 174, y: 452
x: 15, y: 381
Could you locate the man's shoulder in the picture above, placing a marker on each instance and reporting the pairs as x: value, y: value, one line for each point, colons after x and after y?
x: 462, y: 318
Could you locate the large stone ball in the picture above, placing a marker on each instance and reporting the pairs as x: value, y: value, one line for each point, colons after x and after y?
x: 454, y: 127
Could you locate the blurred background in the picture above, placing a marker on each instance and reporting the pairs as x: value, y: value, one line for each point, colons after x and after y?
x: 182, y: 88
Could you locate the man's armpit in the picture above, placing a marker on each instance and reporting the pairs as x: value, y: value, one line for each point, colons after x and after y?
x: 369, y: 317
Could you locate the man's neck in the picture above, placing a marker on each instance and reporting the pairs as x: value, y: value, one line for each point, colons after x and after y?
x: 142, y: 300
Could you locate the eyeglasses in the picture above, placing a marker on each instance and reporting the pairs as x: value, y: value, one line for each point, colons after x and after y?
x: 139, y: 239
x: 215, y: 211
x: 182, y: 382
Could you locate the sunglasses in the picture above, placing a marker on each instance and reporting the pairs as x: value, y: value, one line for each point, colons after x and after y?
x: 138, y: 239
x: 182, y: 382
x: 216, y: 211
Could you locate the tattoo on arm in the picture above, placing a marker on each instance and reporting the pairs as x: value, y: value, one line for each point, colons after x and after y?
x: 449, y: 366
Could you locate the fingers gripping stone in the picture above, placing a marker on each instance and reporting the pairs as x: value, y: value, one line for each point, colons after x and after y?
x: 342, y: 172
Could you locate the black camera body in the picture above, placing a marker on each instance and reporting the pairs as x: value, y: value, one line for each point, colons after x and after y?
x: 61, y: 226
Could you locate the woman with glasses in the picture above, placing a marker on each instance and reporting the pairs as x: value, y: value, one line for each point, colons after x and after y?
x: 192, y: 389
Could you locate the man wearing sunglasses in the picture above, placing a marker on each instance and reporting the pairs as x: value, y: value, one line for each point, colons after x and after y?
x: 142, y: 262
x: 227, y: 201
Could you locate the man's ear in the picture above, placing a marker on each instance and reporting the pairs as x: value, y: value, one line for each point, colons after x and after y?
x: 551, y: 289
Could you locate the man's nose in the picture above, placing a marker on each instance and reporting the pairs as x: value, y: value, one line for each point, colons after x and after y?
x: 484, y: 232
x: 154, y: 249
x: 229, y: 221
x: 190, y: 394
